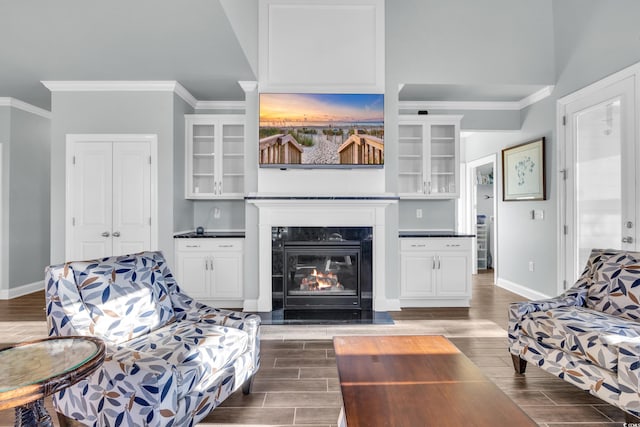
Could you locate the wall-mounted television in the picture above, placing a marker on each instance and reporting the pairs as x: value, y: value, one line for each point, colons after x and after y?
x: 308, y: 130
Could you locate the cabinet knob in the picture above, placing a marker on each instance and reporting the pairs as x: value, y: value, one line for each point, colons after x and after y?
x: 192, y: 246
x: 116, y: 234
x: 105, y: 234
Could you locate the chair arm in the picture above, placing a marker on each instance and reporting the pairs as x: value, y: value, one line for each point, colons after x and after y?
x: 518, y: 310
x: 131, y: 388
x: 628, y: 375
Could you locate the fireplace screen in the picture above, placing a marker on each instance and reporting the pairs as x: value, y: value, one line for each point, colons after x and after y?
x: 322, y: 274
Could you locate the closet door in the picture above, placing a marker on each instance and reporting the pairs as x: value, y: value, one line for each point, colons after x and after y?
x: 109, y: 198
x: 91, y: 193
x: 131, y: 197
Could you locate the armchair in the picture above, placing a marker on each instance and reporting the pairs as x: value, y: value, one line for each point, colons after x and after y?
x: 169, y: 359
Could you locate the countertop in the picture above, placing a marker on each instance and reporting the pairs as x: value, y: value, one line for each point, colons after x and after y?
x: 209, y: 234
x: 428, y: 233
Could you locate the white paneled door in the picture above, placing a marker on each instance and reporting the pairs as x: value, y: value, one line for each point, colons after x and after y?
x: 109, y: 192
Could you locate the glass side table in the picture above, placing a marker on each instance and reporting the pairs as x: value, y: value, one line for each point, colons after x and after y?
x: 31, y: 371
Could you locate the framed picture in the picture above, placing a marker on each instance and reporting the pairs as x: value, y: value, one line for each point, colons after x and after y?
x: 523, y: 173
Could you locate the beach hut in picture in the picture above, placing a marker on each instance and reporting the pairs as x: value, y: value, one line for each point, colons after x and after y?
x: 280, y: 149
x: 362, y: 150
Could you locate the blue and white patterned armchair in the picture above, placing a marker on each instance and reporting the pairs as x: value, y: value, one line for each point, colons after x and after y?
x: 169, y: 359
x: 590, y: 335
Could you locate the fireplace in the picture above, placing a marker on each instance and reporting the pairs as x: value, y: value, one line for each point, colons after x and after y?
x: 323, y: 268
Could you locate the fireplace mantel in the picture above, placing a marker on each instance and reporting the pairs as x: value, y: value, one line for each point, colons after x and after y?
x: 319, y: 211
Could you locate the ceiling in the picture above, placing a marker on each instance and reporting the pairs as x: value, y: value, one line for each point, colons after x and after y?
x: 152, y: 40
x: 192, y: 43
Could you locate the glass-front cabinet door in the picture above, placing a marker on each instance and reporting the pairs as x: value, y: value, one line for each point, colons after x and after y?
x: 428, y: 156
x: 214, y: 156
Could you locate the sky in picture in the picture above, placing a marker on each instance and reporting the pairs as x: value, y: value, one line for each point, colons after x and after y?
x: 279, y: 109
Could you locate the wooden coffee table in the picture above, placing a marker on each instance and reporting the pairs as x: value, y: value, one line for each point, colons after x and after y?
x: 417, y: 381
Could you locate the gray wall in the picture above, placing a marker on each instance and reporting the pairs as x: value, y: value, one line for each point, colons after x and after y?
x: 29, y: 222
x: 5, y: 168
x: 593, y: 38
x: 114, y: 113
x: 24, y: 197
x: 231, y: 214
x: 182, y: 208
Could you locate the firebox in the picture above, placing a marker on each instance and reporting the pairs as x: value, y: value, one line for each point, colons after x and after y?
x: 320, y: 268
x: 323, y: 274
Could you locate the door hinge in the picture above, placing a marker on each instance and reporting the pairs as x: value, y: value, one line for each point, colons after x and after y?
x: 564, y: 174
x: 149, y: 159
x: 564, y: 120
x: 564, y: 284
x: 73, y: 221
x: 149, y: 220
x: 566, y: 230
x: 73, y: 160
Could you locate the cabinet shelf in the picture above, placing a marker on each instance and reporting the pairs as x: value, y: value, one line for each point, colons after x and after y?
x: 204, y: 155
x: 202, y: 174
x: 443, y: 138
x: 195, y: 137
x: 443, y: 156
x: 410, y: 173
x: 410, y: 156
x: 441, y: 173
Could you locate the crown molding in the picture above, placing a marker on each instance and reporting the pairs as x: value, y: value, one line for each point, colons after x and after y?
x: 121, y: 86
x: 21, y: 105
x: 536, y: 96
x: 479, y: 105
x: 220, y: 105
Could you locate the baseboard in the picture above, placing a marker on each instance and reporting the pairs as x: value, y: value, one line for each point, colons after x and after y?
x: 19, y: 291
x: 386, y: 304
x: 521, y: 290
x: 250, y: 305
x: 439, y: 302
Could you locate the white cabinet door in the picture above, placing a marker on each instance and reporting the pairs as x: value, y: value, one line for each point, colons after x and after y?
x: 90, y: 191
x: 417, y: 271
x: 452, y: 274
x: 429, y: 156
x: 193, y: 271
x: 109, y: 198
x: 214, y: 154
x: 227, y: 275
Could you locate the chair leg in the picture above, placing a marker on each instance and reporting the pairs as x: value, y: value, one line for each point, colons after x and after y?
x: 246, y: 387
x: 520, y: 365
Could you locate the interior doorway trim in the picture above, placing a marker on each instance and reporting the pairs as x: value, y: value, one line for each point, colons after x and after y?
x: 470, y: 220
x: 562, y: 104
x: 72, y: 139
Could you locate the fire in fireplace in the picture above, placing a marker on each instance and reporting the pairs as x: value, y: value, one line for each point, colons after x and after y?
x: 323, y: 268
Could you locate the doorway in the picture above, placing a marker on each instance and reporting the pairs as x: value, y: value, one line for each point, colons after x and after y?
x: 482, y: 213
x: 600, y: 202
x: 110, y: 195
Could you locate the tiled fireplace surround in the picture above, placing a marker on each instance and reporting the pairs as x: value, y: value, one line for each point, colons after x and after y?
x: 344, y: 211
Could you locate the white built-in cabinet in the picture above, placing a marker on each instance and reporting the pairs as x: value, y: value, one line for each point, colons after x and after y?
x: 429, y: 156
x: 435, y: 272
x: 214, y: 146
x: 211, y: 269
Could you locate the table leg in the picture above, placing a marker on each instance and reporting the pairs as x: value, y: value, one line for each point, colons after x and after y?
x: 33, y: 414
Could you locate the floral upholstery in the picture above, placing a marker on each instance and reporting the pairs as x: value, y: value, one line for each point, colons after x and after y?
x: 169, y: 361
x: 589, y: 335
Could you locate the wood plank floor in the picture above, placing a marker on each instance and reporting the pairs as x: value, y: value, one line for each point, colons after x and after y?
x: 298, y: 381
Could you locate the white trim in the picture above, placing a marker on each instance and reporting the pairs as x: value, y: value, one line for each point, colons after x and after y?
x: 478, y: 105
x: 536, y: 96
x: 632, y: 71
x: 121, y: 86
x: 521, y: 290
x: 248, y: 85
x: 152, y: 139
x: 19, y: 291
x: 250, y: 305
x: 21, y: 105
x: 220, y: 105
x: 470, y: 220
x: 429, y: 303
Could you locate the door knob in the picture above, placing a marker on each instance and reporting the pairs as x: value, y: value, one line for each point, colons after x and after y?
x: 116, y: 234
x: 105, y: 234
x: 627, y: 240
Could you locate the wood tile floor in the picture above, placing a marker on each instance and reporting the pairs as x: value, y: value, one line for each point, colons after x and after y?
x: 298, y: 381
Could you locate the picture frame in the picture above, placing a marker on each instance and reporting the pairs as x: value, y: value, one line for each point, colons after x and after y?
x: 523, y: 172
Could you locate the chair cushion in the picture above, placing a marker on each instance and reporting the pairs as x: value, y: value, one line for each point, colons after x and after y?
x: 583, y: 332
x: 616, y: 288
x: 197, y: 351
x: 126, y: 296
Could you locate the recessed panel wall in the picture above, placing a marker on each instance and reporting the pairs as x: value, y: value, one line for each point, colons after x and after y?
x: 322, y: 46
